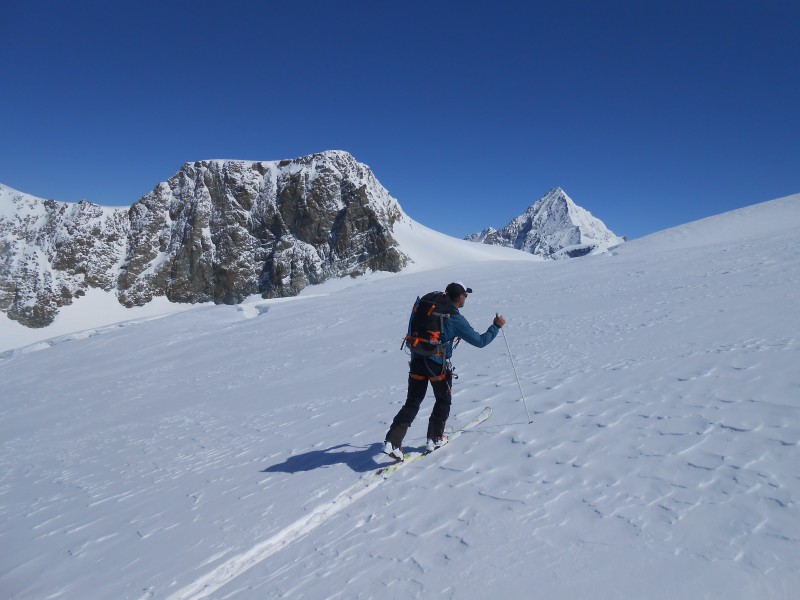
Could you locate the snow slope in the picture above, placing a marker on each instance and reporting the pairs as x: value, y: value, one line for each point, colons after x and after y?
x: 95, y: 312
x: 227, y: 452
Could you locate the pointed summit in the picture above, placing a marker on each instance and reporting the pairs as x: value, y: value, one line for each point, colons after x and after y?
x: 553, y: 227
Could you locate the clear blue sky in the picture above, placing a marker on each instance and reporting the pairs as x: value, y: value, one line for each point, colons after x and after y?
x: 649, y: 114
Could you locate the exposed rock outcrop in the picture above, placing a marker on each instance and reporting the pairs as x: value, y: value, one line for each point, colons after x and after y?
x: 216, y: 231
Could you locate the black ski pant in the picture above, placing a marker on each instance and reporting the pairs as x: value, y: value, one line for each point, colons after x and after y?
x: 424, y: 370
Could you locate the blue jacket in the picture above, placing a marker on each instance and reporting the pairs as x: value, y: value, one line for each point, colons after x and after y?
x: 457, y: 326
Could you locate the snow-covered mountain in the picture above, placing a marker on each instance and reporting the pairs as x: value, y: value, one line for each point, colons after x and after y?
x: 227, y: 451
x: 54, y: 252
x: 217, y: 231
x: 553, y: 227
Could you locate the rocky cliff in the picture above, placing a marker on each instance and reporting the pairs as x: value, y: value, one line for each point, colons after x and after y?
x: 51, y: 252
x: 216, y: 231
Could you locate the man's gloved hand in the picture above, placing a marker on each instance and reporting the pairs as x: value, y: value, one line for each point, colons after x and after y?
x: 499, y: 320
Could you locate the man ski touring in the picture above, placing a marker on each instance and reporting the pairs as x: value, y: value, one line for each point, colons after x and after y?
x: 434, y: 365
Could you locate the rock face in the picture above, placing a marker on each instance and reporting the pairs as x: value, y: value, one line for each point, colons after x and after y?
x: 52, y: 252
x: 553, y: 228
x: 216, y: 231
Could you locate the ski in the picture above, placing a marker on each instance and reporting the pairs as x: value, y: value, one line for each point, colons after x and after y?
x: 411, y: 457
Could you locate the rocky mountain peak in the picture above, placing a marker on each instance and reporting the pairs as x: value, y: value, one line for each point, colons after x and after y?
x: 217, y: 230
x: 554, y: 227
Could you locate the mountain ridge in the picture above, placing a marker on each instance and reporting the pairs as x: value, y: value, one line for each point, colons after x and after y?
x: 222, y: 230
x: 216, y: 231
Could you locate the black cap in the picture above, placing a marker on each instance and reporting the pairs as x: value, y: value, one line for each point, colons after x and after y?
x: 455, y: 289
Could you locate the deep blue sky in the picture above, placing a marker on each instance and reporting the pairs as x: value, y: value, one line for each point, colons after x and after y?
x: 649, y: 114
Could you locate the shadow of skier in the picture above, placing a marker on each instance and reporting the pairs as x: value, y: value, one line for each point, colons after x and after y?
x: 359, y: 460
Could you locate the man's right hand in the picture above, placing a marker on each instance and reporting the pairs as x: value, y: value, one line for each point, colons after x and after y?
x: 499, y: 320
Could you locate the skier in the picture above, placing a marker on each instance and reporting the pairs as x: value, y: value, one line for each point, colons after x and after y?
x: 439, y: 372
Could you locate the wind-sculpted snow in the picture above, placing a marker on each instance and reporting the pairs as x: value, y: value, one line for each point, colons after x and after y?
x: 205, y: 454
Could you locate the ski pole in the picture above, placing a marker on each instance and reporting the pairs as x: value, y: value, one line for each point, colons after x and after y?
x: 521, y: 395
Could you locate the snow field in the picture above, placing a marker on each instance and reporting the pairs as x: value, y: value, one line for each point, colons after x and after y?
x: 209, y: 453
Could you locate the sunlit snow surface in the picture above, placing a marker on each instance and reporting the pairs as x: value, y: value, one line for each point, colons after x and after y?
x: 219, y: 452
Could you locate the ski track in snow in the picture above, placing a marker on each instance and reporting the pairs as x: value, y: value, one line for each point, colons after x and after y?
x: 194, y: 456
x: 234, y: 567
